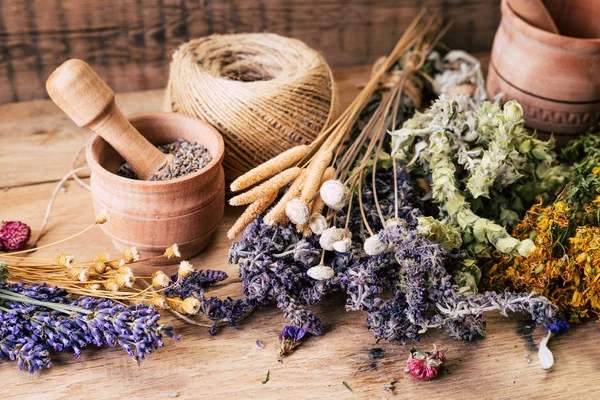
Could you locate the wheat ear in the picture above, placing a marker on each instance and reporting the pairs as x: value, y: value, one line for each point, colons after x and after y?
x: 270, y: 168
x: 277, y: 213
x: 315, y: 173
x: 272, y: 185
x: 251, y: 213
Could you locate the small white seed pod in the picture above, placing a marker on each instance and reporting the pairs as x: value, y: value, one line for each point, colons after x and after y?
x: 343, y: 246
x: 318, y: 223
x: 395, y: 222
x: 373, y: 246
x: 330, y: 236
x: 333, y: 193
x: 320, y: 272
x: 297, y: 211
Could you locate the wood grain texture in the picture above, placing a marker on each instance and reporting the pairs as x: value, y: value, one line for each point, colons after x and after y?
x: 130, y: 42
x: 229, y: 365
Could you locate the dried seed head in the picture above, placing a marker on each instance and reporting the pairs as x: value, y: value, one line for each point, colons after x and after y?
x: 395, y: 222
x: 175, y: 303
x: 114, y: 264
x: 131, y: 254
x: 270, y: 186
x: 100, y: 267
x: 159, y: 302
x: 185, y: 269
x: 102, y: 218
x: 297, y: 211
x: 330, y: 236
x: 333, y: 192
x: 343, y: 246
x: 190, y: 306
x: 111, y: 285
x: 102, y: 257
x: 92, y: 286
x: 78, y: 274
x: 373, y: 246
x: 124, y: 270
x: 172, y: 252
x: 320, y: 272
x: 317, y: 223
x: 126, y: 280
x: 65, y: 260
x: 160, y: 280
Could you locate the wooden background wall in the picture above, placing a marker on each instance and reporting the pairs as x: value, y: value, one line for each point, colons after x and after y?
x: 129, y: 42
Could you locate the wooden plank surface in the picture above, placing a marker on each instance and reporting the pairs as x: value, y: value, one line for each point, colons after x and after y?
x: 229, y: 365
x: 130, y: 42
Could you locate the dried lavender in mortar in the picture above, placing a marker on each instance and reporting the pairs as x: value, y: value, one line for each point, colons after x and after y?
x: 188, y: 157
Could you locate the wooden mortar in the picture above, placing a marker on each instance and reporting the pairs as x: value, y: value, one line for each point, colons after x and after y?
x: 152, y: 215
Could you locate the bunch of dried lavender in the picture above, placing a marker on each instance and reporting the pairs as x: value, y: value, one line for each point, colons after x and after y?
x: 38, y: 319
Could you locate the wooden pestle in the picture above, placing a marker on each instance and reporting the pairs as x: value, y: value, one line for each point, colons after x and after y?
x: 88, y: 101
x: 535, y: 13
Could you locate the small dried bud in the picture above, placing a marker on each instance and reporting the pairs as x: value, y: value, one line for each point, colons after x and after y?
x: 78, y: 274
x: 111, y: 285
x: 297, y: 211
x: 101, y: 257
x: 65, y: 260
x: 172, y: 252
x: 373, y: 246
x: 100, y: 267
x: 330, y: 236
x: 185, y: 269
x: 92, y: 286
x: 333, y: 192
x: 131, y: 254
x: 190, y: 306
x: 114, y: 264
x: 343, y: 246
x: 126, y: 280
x: 513, y: 112
x: 317, y: 223
x: 175, y: 303
x: 423, y: 365
x: 159, y: 302
x: 320, y: 272
x: 102, y: 218
x: 544, y: 354
x: 160, y: 280
x: 124, y: 270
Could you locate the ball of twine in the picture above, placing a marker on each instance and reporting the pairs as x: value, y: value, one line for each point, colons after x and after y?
x: 265, y: 93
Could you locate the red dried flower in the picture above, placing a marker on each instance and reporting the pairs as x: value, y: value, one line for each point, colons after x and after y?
x: 423, y: 365
x: 14, y: 235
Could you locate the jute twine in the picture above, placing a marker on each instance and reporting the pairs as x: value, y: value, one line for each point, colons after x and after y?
x: 265, y: 93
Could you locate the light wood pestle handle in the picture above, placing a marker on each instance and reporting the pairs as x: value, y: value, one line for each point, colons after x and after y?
x: 88, y: 101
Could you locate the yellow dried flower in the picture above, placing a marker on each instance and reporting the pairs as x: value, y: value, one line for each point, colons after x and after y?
x: 160, y: 280
x: 270, y: 168
x: 92, y: 286
x: 596, y: 171
x: 100, y: 267
x: 65, y: 260
x: 172, y: 252
x: 175, y: 303
x: 185, y: 269
x: 190, y: 306
x: 111, y: 285
x: 126, y: 280
x: 78, y: 274
x: 131, y: 254
x: 159, y: 302
x: 270, y: 186
x: 102, y: 218
x: 101, y: 257
x: 114, y: 264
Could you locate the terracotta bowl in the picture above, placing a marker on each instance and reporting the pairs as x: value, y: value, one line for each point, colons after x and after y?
x: 556, y: 78
x: 153, y: 215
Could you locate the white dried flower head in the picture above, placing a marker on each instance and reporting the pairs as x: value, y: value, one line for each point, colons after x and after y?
x: 185, y: 269
x: 297, y: 211
x: 190, y: 306
x: 395, y: 222
x: 333, y: 192
x: 78, y: 274
x: 330, y: 236
x: 131, y: 254
x: 126, y: 280
x: 93, y: 286
x: 159, y: 302
x: 172, y: 252
x: 102, y: 218
x: 111, y: 285
x: 343, y: 246
x: 320, y: 272
x: 373, y: 246
x: 513, y: 112
x: 160, y: 280
x: 317, y: 223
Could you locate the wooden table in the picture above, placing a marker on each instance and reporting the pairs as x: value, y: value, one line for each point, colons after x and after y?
x: 37, y: 144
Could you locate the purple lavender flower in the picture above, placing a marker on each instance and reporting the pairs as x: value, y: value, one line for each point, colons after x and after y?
x: 290, y: 338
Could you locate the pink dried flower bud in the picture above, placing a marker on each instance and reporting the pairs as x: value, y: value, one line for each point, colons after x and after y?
x: 14, y: 235
x: 424, y: 365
